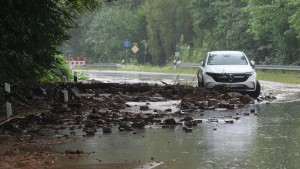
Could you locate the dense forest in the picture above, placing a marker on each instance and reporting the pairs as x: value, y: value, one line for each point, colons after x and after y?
x: 35, y: 36
x: 268, y: 31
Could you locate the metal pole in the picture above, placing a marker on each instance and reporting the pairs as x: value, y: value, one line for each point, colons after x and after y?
x: 126, y: 54
x: 134, y: 58
x: 145, y: 57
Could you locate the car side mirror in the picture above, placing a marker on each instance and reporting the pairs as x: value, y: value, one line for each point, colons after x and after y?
x: 202, y: 63
x: 252, y: 63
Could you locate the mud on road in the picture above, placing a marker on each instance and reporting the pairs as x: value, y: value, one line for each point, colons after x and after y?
x: 42, y: 118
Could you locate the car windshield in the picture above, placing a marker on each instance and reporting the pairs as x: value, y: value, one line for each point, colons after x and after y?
x: 227, y: 59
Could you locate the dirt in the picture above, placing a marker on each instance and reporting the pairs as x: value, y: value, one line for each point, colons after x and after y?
x: 40, y: 106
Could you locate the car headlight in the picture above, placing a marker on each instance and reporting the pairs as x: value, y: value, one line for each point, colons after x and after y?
x: 249, y: 73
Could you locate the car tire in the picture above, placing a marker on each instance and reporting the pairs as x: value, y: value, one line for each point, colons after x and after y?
x: 255, y: 93
x: 200, y: 80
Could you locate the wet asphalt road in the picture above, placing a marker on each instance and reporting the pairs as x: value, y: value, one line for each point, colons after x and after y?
x: 269, y: 139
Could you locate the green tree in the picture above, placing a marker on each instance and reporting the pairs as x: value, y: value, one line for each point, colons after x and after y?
x: 101, y: 33
x: 166, y: 21
x: 274, y: 27
x: 221, y: 25
x: 31, y: 32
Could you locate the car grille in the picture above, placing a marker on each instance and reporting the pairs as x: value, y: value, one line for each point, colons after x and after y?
x: 229, y: 78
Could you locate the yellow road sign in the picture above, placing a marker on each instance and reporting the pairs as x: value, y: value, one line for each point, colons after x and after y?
x: 135, y: 49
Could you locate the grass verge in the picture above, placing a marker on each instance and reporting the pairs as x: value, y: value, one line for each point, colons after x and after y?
x: 292, y: 77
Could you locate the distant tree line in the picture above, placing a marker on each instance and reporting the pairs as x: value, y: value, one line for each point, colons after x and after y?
x: 268, y: 31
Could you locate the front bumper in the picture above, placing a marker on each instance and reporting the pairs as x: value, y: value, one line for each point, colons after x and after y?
x: 248, y: 85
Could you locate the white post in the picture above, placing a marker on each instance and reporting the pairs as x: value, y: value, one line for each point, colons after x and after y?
x: 66, y: 96
x: 64, y: 79
x: 8, y: 110
x: 75, y: 77
x: 8, y: 101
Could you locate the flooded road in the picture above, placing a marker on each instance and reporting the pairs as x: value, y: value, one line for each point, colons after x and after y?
x: 268, y: 138
x: 135, y: 77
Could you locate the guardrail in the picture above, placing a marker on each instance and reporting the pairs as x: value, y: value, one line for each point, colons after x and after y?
x: 262, y: 67
x: 194, y: 65
x: 104, y: 65
x: 277, y: 67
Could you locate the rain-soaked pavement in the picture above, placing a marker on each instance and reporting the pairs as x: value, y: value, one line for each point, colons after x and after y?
x: 269, y: 139
x: 260, y: 135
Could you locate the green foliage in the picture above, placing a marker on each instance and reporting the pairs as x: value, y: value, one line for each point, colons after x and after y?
x: 294, y: 17
x: 166, y: 21
x: 101, y: 33
x: 31, y: 32
x: 59, y: 69
x: 224, y: 28
x: 185, y: 54
x: 274, y: 27
x: 82, y: 76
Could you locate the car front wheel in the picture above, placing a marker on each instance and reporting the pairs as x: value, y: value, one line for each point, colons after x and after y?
x: 200, y: 80
x: 255, y: 93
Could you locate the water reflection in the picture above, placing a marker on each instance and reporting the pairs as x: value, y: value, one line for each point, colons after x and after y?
x: 277, y: 143
x: 269, y: 140
x: 210, y: 145
x: 134, y: 77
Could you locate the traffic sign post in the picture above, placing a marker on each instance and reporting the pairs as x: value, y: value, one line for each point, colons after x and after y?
x: 135, y: 49
x: 126, y: 44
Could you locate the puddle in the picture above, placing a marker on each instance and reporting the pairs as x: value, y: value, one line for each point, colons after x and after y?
x: 155, y: 106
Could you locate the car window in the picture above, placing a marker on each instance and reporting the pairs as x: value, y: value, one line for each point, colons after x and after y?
x: 227, y: 59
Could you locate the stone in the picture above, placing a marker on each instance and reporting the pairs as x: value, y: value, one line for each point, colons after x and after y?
x: 170, y: 121
x: 187, y: 118
x: 228, y: 121
x: 106, y: 129
x: 187, y: 129
x: 144, y: 107
x: 213, y: 120
x: 246, y: 99
x: 212, y: 103
x: 90, y: 132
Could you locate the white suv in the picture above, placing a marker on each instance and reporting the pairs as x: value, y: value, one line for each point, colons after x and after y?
x: 231, y: 69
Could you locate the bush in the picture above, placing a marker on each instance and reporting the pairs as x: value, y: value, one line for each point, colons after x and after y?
x: 60, y: 69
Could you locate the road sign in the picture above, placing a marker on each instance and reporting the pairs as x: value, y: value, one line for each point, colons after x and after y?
x: 126, y: 44
x: 135, y: 49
